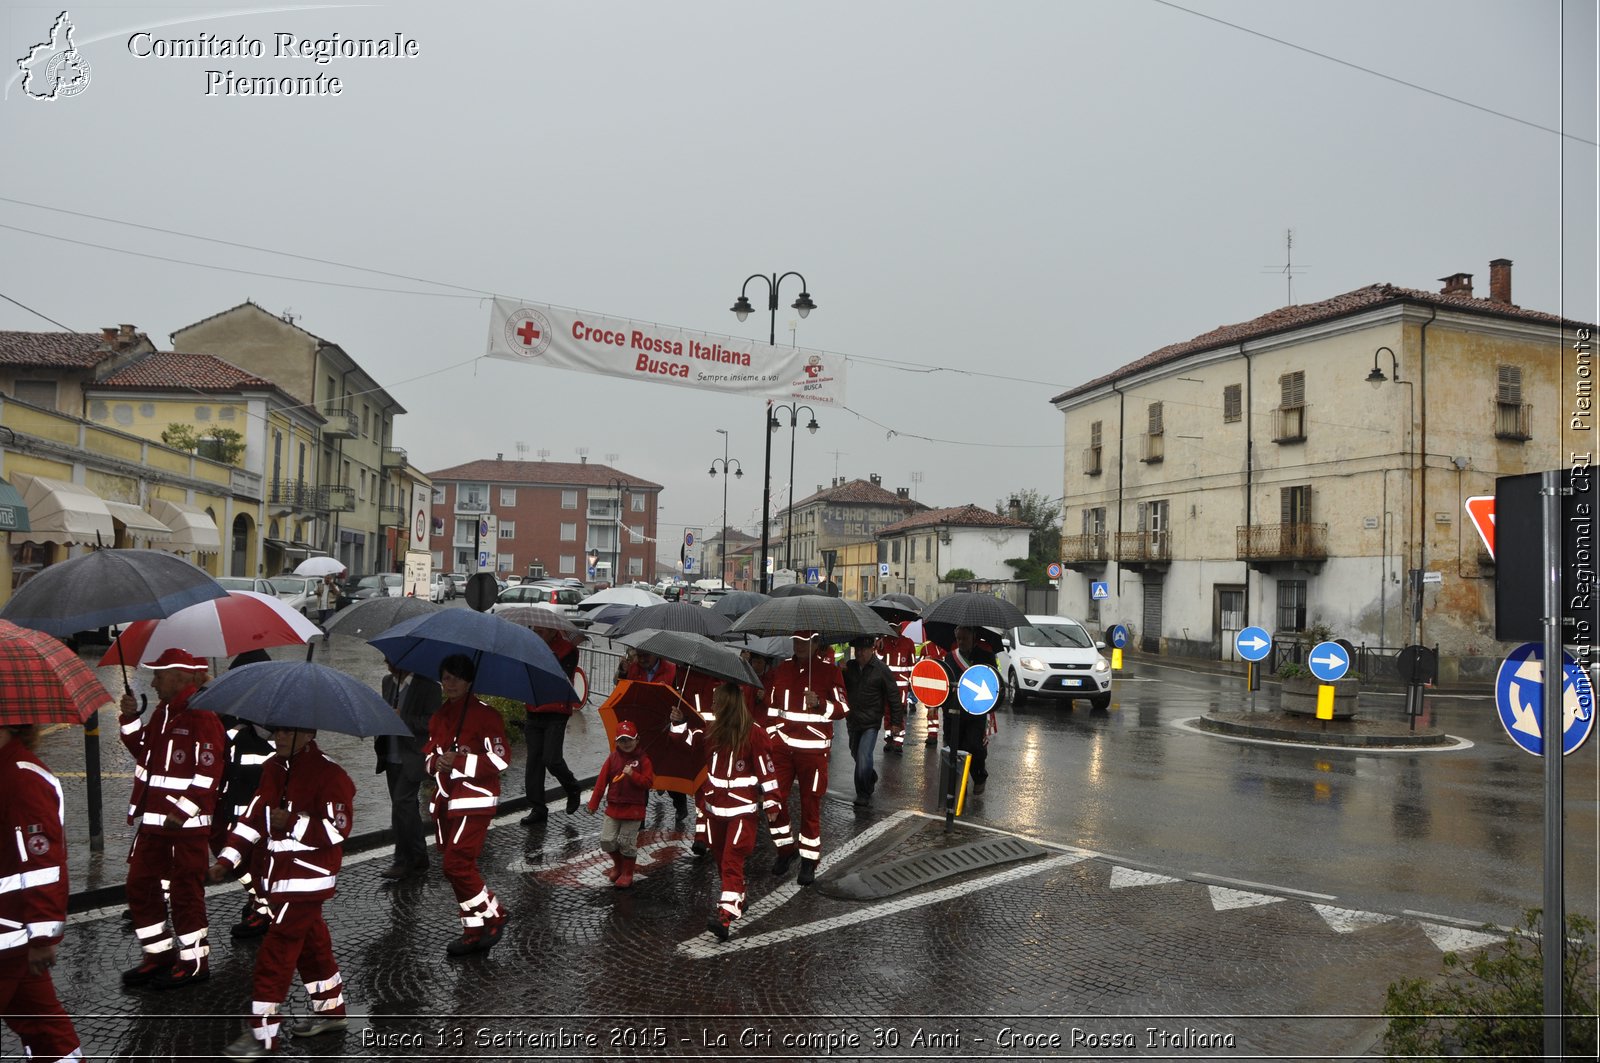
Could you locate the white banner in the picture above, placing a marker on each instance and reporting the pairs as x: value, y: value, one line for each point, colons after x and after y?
x: 535, y: 334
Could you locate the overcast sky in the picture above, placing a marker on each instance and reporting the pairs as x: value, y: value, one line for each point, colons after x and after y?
x: 990, y: 202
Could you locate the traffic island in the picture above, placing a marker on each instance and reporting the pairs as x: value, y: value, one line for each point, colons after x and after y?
x: 1307, y: 730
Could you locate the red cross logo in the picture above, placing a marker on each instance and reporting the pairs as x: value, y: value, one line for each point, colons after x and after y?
x: 528, y: 333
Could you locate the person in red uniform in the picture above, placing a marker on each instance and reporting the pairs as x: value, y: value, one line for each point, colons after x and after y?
x: 466, y: 753
x: 624, y: 781
x: 899, y: 654
x: 248, y: 749
x: 739, y: 776
x: 696, y: 688
x: 300, y: 816
x: 804, y: 696
x: 642, y: 667
x: 179, y: 755
x: 545, y: 729
x: 33, y: 906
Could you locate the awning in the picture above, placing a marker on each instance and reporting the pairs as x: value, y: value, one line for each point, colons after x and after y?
x: 307, y: 549
x: 276, y: 544
x: 66, y: 513
x: 192, y: 528
x: 13, y: 513
x: 140, y: 525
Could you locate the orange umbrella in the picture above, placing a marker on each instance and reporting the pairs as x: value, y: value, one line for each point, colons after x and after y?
x: 678, y: 767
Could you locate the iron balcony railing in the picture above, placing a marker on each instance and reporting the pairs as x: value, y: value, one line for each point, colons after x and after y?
x: 1077, y: 549
x: 1283, y: 542
x: 298, y: 495
x: 1143, y: 546
x: 341, y: 422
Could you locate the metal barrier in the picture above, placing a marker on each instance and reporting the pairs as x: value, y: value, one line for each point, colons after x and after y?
x: 599, y: 661
x: 1372, y: 664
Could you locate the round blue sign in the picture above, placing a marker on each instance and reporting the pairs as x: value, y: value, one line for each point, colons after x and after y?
x: 978, y: 689
x: 1253, y: 643
x: 1053, y: 570
x: 1519, y: 698
x: 1328, y: 661
x: 1119, y: 636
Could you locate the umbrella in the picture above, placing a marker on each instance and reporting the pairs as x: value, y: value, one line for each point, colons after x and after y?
x: 695, y: 652
x: 793, y: 590
x: 773, y: 647
x: 536, y: 617
x: 679, y: 767
x: 218, y: 627
x: 967, y: 609
x: 512, y: 661
x: 606, y: 615
x: 367, y: 618
x: 108, y: 587
x: 302, y: 695
x: 735, y: 604
x: 915, y: 631
x: 833, y: 617
x: 319, y: 566
x: 44, y: 681
x: 620, y: 596
x: 906, y: 601
x: 895, y: 611
x: 672, y: 616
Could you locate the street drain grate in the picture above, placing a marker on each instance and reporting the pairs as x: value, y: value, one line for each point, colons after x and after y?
x: 886, y: 880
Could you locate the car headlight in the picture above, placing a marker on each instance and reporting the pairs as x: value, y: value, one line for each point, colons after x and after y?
x: 1100, y: 665
x: 1032, y: 664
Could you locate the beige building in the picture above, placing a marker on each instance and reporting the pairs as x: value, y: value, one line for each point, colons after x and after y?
x: 844, y: 512
x: 922, y: 548
x: 1295, y: 469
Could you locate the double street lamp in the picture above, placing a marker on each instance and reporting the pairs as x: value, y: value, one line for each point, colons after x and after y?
x: 722, y: 536
x: 620, y: 487
x: 773, y: 424
x: 742, y: 310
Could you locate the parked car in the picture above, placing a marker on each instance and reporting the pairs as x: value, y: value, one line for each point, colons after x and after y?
x: 557, y: 596
x: 715, y: 595
x: 246, y: 583
x: 442, y: 588
x: 672, y: 592
x: 1054, y: 657
x: 460, y: 580
x: 297, y: 592
x: 382, y: 585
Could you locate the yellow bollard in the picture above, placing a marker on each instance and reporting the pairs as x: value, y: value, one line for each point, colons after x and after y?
x: 1325, y: 702
x: 961, y: 792
x: 1116, y: 658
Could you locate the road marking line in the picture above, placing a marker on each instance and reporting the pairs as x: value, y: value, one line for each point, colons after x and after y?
x: 1246, y: 883
x: 1125, y: 877
x: 780, y: 896
x: 1225, y: 898
x: 1349, y: 920
x: 1455, y: 939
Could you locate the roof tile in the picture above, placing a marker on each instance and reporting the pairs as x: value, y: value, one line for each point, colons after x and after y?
x: 59, y: 350
x: 541, y: 473
x: 187, y: 372
x: 967, y: 516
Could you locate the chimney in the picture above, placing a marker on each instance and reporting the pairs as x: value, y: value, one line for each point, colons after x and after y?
x: 108, y: 336
x: 500, y: 456
x: 1457, y: 284
x: 1014, y: 507
x: 902, y: 493
x: 583, y: 459
x: 877, y: 481
x: 1500, y: 280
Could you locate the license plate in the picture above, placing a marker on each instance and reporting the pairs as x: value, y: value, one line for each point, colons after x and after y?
x: 1072, y: 682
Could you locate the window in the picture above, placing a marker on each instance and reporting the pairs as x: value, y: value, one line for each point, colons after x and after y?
x: 927, y: 546
x: 472, y: 498
x: 37, y: 392
x: 505, y: 562
x: 438, y: 494
x: 508, y: 529
x: 568, y: 565
x: 569, y: 532
x: 1154, y: 439
x: 1510, y: 412
x: 569, y: 499
x: 466, y: 531
x: 1292, y: 605
x: 508, y: 497
x: 366, y: 419
x: 911, y: 555
x: 1152, y: 526
x: 638, y: 503
x: 1293, y: 386
x: 1091, y: 456
x: 1232, y: 403
x: 362, y: 493
x: 635, y: 535
x: 635, y: 566
x: 1290, y: 418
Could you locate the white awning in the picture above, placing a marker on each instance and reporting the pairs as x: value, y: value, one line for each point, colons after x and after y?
x: 193, y: 530
x: 140, y: 524
x: 62, y: 512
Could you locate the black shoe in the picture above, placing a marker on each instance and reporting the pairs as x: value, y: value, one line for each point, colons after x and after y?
x: 977, y: 789
x: 469, y: 942
x: 808, y: 872
x: 574, y: 799
x: 933, y: 740
x: 539, y: 815
x: 699, y: 848
x: 861, y: 799
x: 492, y: 933
x: 251, y: 926
x: 180, y: 977
x: 143, y: 974
x: 781, y: 866
x: 718, y: 924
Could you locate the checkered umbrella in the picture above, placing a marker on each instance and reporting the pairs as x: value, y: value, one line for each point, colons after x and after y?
x: 44, y: 682
x: 672, y: 616
x: 834, y: 618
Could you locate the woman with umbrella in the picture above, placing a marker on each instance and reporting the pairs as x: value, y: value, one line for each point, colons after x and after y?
x: 466, y: 753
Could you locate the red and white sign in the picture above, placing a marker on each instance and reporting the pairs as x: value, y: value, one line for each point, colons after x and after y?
x: 1480, y: 509
x: 536, y: 334
x: 929, y: 684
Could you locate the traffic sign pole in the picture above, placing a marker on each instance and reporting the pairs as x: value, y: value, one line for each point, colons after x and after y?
x: 1555, y: 914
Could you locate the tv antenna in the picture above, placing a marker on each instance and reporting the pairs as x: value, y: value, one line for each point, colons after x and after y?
x: 916, y: 481
x: 837, y: 454
x: 582, y: 452
x: 611, y: 459
x: 522, y: 450
x: 1288, y: 269
x: 544, y: 455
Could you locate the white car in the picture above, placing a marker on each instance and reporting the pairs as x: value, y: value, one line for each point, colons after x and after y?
x: 247, y: 583
x: 297, y: 592
x: 442, y: 589
x: 1054, y: 657
x: 558, y: 596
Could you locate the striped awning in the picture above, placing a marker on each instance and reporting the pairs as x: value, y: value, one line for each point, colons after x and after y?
x: 13, y: 511
x: 193, y: 530
x: 139, y: 524
x: 62, y: 512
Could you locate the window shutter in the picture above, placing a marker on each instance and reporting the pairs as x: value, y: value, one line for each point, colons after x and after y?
x: 1155, y: 418
x: 1231, y: 402
x: 1294, y: 389
x: 1094, y: 434
x: 1509, y: 384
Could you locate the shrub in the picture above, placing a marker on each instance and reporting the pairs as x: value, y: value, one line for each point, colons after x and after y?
x: 512, y: 712
x: 1291, y: 670
x: 1491, y: 1007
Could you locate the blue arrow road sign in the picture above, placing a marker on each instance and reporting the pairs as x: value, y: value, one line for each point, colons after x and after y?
x: 1519, y: 697
x: 1099, y: 590
x: 978, y: 689
x: 1328, y: 661
x: 1119, y: 636
x: 1253, y: 643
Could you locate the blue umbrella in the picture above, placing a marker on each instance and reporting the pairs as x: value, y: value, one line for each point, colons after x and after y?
x: 302, y: 695
x: 512, y: 661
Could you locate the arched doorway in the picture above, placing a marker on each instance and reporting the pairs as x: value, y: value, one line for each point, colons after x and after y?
x: 242, y: 548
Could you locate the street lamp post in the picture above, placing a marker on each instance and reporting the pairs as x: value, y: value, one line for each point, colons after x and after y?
x: 1377, y: 378
x: 742, y: 309
x: 794, y: 419
x: 621, y: 487
x: 722, y: 536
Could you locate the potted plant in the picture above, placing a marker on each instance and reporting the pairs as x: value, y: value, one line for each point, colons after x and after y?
x: 1298, y: 694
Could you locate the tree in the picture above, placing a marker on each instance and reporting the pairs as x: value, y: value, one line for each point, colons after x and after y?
x: 959, y: 575
x: 219, y: 444
x: 1043, y: 517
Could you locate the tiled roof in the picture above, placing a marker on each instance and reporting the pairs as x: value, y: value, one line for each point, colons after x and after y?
x: 59, y: 350
x: 162, y: 370
x: 556, y: 473
x: 967, y: 516
x: 859, y: 491
x: 1288, y: 318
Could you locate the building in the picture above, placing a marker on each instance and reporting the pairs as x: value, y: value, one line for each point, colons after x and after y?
x: 731, y: 556
x: 330, y: 484
x: 846, y: 511
x: 47, y: 370
x: 550, y: 518
x: 922, y: 548
x: 1297, y: 469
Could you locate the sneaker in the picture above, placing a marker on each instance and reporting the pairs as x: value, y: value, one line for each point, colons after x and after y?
x: 180, y: 977
x: 246, y: 1046
x: 718, y: 924
x: 314, y: 1025
x: 145, y: 972
x: 785, y: 860
x: 251, y: 926
x: 808, y: 872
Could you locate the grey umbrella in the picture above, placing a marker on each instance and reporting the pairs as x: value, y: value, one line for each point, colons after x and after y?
x: 695, y: 652
x: 775, y: 647
x: 673, y: 616
x: 302, y: 695
x: 969, y: 609
x: 109, y: 587
x: 834, y: 618
x: 735, y: 604
x: 535, y: 617
x: 897, y: 607
x: 792, y: 590
x: 367, y: 618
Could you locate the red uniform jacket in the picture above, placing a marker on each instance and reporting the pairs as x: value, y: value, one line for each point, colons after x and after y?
x: 736, y: 782
x: 567, y: 654
x: 178, y: 758
x: 303, y: 862
x: 788, y: 719
x: 665, y: 672
x: 472, y: 787
x: 899, y: 653
x: 33, y: 866
x: 696, y: 689
x: 626, y: 795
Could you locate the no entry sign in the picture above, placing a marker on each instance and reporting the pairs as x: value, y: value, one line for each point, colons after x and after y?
x: 929, y: 684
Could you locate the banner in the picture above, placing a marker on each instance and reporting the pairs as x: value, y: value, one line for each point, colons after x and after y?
x: 536, y: 334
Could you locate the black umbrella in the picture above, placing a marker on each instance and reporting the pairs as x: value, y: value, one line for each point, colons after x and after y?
x: 673, y: 616
x: 109, y: 587
x: 367, y: 618
x: 894, y: 607
x: 969, y: 609
x: 835, y: 618
x: 695, y: 652
x: 774, y: 647
x: 302, y: 695
x: 793, y: 590
x: 735, y: 604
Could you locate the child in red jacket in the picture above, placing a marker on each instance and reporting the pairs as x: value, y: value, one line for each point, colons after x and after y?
x: 624, y: 781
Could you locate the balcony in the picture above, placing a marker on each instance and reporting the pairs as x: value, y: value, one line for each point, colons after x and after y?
x: 1152, y: 447
x: 245, y: 484
x: 1511, y: 421
x: 296, y: 496
x: 1091, y: 461
x: 1139, y: 549
x: 1289, y: 424
x: 341, y: 498
x: 1265, y: 543
x: 342, y: 423
x: 391, y: 516
x: 394, y: 457
x: 1084, y: 551
x: 472, y: 505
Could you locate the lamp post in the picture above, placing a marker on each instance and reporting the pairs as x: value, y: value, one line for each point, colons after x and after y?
x: 620, y: 486
x: 773, y: 424
x: 1377, y: 379
x: 742, y: 309
x: 722, y: 536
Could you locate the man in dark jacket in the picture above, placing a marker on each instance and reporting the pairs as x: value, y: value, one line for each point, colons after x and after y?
x: 972, y: 732
x: 415, y: 698
x: 870, y: 689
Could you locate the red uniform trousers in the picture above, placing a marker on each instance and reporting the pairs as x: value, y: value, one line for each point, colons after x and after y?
x: 808, y: 768
x: 732, y: 840
x: 298, y: 940
x: 28, y: 1002
x: 460, y: 840
x: 174, y: 865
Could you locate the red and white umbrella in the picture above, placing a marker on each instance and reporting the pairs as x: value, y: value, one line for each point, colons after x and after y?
x: 220, y: 627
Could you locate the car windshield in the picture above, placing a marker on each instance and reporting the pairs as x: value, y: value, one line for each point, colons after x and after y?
x: 234, y: 583
x: 289, y: 585
x: 371, y: 581
x: 1071, y: 636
